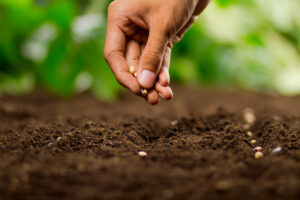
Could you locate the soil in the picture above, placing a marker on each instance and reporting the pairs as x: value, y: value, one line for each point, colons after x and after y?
x: 197, y: 147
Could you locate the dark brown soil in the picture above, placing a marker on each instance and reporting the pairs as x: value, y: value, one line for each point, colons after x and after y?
x: 86, y: 149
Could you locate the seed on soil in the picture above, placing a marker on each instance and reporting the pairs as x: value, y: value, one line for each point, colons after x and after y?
x: 175, y: 122
x: 258, y: 149
x: 59, y: 138
x: 277, y: 118
x: 144, y: 92
x: 276, y: 150
x: 249, y: 133
x: 253, y: 141
x: 142, y: 153
x: 50, y: 144
x: 249, y: 116
x: 258, y: 155
x: 132, y: 70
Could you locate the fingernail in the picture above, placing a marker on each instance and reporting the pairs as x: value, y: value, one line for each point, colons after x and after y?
x: 147, y: 78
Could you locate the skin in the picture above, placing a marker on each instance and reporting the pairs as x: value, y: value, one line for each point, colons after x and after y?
x: 142, y: 33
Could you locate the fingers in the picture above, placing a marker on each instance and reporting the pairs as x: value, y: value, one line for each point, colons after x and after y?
x: 152, y: 58
x: 133, y: 52
x: 152, y: 97
x: 114, y: 54
x: 164, y: 77
x: 164, y: 92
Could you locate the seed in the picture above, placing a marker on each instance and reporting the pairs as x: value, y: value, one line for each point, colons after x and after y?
x: 144, y: 92
x: 258, y: 155
x: 132, y: 70
x: 59, y: 138
x: 249, y: 116
x: 249, y: 133
x: 135, y: 74
x: 175, y: 122
x: 253, y: 141
x: 258, y: 149
x: 50, y: 144
x: 276, y: 150
x: 142, y: 153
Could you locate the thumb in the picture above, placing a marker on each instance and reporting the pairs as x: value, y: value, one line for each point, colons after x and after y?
x: 151, y: 58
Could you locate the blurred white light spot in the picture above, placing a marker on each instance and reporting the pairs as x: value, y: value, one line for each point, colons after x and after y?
x: 83, y: 82
x: 35, y: 47
x: 83, y: 26
x: 288, y: 81
x: 34, y: 51
x: 222, y: 24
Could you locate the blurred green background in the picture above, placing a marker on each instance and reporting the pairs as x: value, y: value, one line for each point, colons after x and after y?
x: 58, y: 45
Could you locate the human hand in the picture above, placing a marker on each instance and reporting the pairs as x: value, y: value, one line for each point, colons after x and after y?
x: 141, y: 33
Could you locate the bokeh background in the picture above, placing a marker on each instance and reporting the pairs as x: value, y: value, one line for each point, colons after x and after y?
x: 58, y: 45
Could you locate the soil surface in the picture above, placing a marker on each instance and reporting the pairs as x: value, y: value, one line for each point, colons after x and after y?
x: 198, y: 147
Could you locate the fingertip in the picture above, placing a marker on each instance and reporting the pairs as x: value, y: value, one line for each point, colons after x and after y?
x: 164, y: 78
x: 127, y: 80
x: 169, y: 95
x: 146, y: 78
x: 163, y: 81
x: 164, y: 92
x: 135, y: 88
x: 152, y: 97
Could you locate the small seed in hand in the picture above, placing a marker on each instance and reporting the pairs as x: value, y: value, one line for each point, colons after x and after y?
x: 258, y: 155
x: 258, y: 149
x: 135, y: 74
x: 253, y: 141
x: 144, y: 92
x: 142, y: 153
x: 132, y: 70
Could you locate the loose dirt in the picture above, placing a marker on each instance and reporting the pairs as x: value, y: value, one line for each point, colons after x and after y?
x: 196, y: 146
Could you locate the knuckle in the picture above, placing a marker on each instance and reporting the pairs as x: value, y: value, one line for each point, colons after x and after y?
x: 117, y: 13
x: 122, y: 20
x: 112, y: 6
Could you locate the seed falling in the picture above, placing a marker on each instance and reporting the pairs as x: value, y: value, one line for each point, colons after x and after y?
x: 276, y: 150
x: 258, y: 155
x: 144, y: 92
x: 175, y: 122
x: 253, y: 141
x: 249, y: 133
x: 249, y: 116
x: 142, y: 153
x: 132, y: 70
x: 258, y: 149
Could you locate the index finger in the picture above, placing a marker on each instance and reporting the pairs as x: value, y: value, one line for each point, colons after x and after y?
x: 114, y: 53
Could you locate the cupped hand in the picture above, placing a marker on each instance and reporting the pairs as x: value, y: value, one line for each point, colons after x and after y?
x: 142, y: 33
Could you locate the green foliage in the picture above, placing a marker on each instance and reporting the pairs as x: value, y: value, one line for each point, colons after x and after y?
x: 58, y: 45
